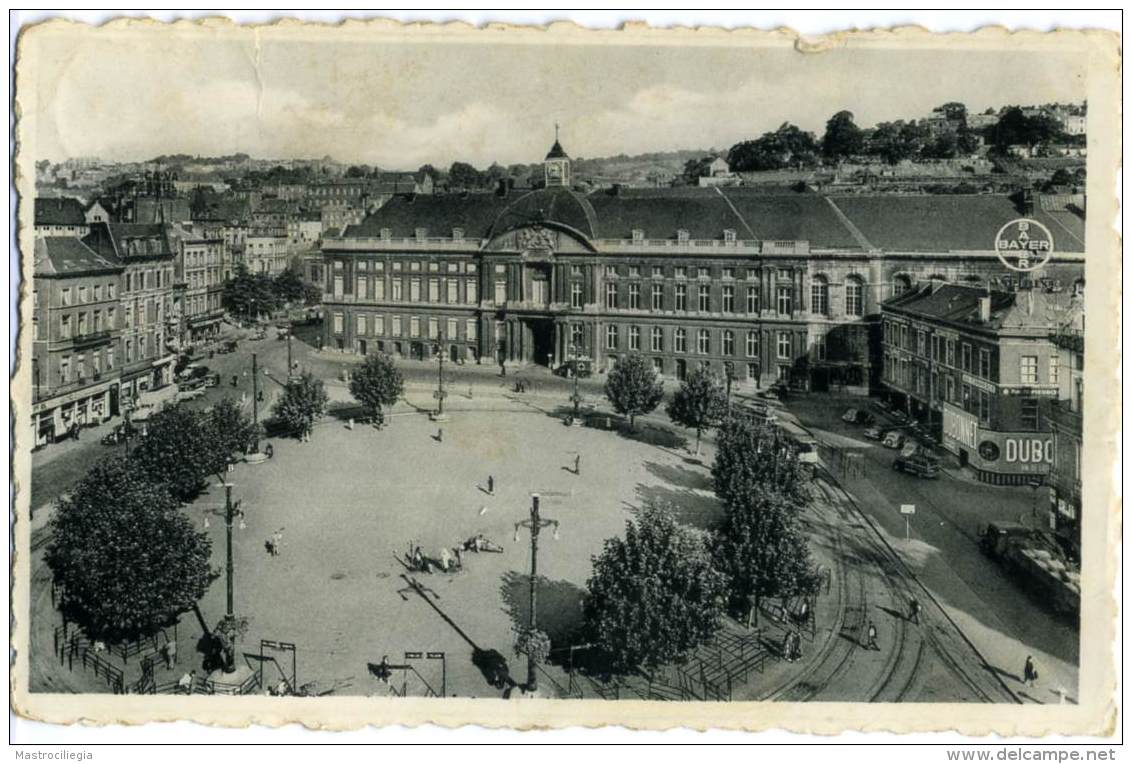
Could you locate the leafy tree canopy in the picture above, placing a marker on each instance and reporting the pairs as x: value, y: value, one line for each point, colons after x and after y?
x: 633, y: 388
x: 128, y: 561
x: 376, y: 384
x: 180, y: 451
x: 654, y: 595
x: 750, y: 456
x: 302, y: 404
x: 699, y: 403
x: 788, y: 146
x: 842, y: 137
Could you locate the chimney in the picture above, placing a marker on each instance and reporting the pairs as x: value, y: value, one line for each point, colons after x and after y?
x: 984, y: 308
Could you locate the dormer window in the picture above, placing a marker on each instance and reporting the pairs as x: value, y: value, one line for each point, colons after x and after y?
x: 386, y: 234
x: 457, y: 234
x: 729, y: 235
x: 421, y: 234
x: 638, y: 235
x: 682, y: 236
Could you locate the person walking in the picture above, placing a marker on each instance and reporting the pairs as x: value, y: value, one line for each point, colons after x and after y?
x: 871, y: 644
x: 185, y: 683
x: 439, y: 434
x: 914, y: 611
x: 1029, y: 672
x: 276, y: 542
x: 169, y: 651
x: 491, y: 484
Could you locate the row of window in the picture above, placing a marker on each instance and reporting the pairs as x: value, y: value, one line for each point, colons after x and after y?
x: 413, y: 266
x: 85, y: 323
x: 784, y: 297
x: 82, y: 294
x: 456, y: 291
x: 76, y: 369
x: 374, y: 325
x: 679, y: 340
x: 152, y: 278
x: 977, y: 361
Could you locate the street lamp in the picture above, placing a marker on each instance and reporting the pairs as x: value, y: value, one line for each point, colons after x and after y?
x: 576, y: 398
x: 535, y: 523
x: 439, y: 394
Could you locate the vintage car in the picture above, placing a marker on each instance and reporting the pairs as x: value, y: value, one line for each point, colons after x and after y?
x: 919, y: 465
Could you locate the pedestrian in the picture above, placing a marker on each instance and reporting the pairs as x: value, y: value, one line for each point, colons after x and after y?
x: 269, y: 450
x: 871, y: 644
x: 276, y: 542
x: 445, y: 559
x: 235, y: 380
x: 914, y: 611
x: 185, y: 683
x: 1029, y: 673
x: 440, y: 435
x: 578, y: 464
x: 491, y: 484
x: 169, y: 650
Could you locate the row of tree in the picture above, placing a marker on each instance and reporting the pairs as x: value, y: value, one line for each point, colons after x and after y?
x: 892, y: 142
x: 250, y: 294
x: 126, y: 558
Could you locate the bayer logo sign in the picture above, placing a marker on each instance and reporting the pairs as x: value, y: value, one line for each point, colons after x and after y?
x: 1024, y: 245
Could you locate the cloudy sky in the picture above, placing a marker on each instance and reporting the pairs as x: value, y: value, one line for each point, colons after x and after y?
x: 136, y: 93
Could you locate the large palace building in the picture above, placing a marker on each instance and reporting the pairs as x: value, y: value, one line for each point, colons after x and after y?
x: 768, y: 286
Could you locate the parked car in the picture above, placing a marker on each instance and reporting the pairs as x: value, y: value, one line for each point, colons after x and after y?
x: 190, y: 395
x: 119, y: 434
x: 875, y: 432
x: 918, y: 465
x: 212, y: 380
x: 228, y: 347
x: 857, y: 416
x: 893, y: 439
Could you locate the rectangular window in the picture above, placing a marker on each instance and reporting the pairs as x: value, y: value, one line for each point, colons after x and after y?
x: 728, y: 273
x: 784, y: 300
x: 1029, y: 417
x: 703, y: 273
x: 379, y: 325
x: 363, y: 291
x: 379, y: 288
x: 500, y: 292
x: 415, y: 289
x: 361, y: 325
x: 1053, y: 369
x: 395, y: 326
x: 434, y: 290
x: 681, y: 297
x: 451, y: 329
x: 950, y: 349
x: 680, y: 341
x: 575, y: 270
x: 338, y: 322
x: 634, y: 338
x: 1029, y: 370
x: 703, y: 302
x: 819, y: 347
x: 656, y: 339
x: 703, y: 341
x: 984, y: 363
x: 984, y: 407
x: 414, y: 326
x: 728, y: 298
x: 921, y: 342
x: 752, y: 344
x: 398, y: 290
x: 658, y: 272
x: 452, y: 288
x: 611, y: 270
x: 752, y: 299
x: 658, y: 296
x: 65, y: 370
x: 635, y: 296
x: 473, y: 291
x: 728, y: 342
x: 680, y: 272
x: 471, y: 332
x: 635, y: 270
x: 575, y: 294
x: 611, y: 337
x: 65, y: 328
x: 578, y: 336
x: 339, y: 286
x: 965, y: 352
x: 784, y: 345
x: 610, y: 295
x: 82, y: 294
x: 433, y: 329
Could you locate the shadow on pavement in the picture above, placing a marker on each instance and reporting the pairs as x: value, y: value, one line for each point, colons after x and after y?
x: 680, y: 476
x: 559, y: 605
x: 698, y: 510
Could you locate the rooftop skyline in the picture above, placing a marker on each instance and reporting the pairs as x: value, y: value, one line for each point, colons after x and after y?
x: 401, y: 104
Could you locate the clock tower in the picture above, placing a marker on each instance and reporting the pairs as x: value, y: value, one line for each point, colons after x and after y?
x: 557, y: 165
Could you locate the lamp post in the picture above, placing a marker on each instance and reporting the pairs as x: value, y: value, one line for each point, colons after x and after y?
x: 255, y: 405
x: 576, y: 399
x: 440, y: 393
x: 535, y: 523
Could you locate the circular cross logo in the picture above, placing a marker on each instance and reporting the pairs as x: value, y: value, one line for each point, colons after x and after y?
x: 1024, y: 245
x: 988, y: 450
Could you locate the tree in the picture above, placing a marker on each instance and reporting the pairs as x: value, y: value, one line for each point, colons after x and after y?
x: 788, y: 146
x: 312, y: 293
x: 357, y: 171
x: 377, y: 384
x: 699, y: 403
x: 127, y: 560
x: 761, y: 549
x: 464, y: 175
x: 751, y: 455
x: 953, y: 111
x: 694, y: 169
x: 232, y: 431
x: 288, y: 286
x: 633, y: 388
x: 842, y: 137
x: 430, y: 171
x: 1015, y: 128
x: 303, y: 402
x: 653, y: 595
x: 180, y: 451
x: 249, y: 294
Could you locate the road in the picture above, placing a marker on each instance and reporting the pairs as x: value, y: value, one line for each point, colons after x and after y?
x: 1004, y: 620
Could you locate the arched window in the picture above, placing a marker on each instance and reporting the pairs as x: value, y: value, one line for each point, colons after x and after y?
x: 854, y: 296
x: 901, y: 284
x: 819, y: 296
